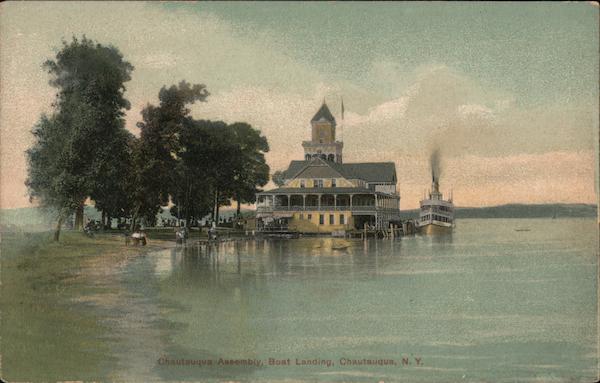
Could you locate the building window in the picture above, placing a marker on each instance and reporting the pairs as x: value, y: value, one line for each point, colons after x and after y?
x: 318, y: 183
x: 301, y: 216
x: 331, y: 219
x: 321, y: 219
x: 342, y: 219
x: 333, y: 182
x: 302, y: 183
x: 309, y: 217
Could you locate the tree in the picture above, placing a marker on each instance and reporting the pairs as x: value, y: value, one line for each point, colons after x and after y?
x: 217, y: 155
x: 51, y: 178
x: 233, y: 159
x: 278, y: 179
x: 252, y: 170
x: 88, y: 114
x: 156, y: 154
x: 112, y: 196
x: 192, y: 196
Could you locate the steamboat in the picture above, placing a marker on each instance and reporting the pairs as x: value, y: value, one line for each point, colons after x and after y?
x: 436, y: 215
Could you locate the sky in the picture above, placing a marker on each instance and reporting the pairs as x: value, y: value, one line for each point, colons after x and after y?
x: 507, y: 92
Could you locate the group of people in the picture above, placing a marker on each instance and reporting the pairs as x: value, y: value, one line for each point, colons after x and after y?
x: 168, y: 222
x: 182, y: 234
x: 138, y: 237
x: 91, y: 227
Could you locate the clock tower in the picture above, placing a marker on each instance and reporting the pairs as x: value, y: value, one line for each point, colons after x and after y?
x: 323, y: 143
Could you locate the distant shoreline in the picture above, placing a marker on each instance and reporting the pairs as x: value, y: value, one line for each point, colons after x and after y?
x: 574, y: 210
x: 40, y: 216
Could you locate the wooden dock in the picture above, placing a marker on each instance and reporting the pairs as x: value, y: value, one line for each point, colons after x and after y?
x: 398, y: 230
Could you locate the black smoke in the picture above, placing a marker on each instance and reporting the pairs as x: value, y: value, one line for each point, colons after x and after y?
x: 436, y: 165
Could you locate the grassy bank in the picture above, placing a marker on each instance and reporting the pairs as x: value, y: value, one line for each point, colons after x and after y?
x: 33, y: 262
x: 40, y: 295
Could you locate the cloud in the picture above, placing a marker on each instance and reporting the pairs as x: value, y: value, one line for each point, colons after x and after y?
x: 484, y: 180
x: 382, y: 113
x: 165, y: 46
x: 442, y: 107
x: 475, y: 109
x: 392, y: 112
x: 157, y: 61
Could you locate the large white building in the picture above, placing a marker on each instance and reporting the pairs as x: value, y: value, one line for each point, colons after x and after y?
x: 323, y: 194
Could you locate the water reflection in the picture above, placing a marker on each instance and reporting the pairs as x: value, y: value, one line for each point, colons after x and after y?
x: 441, y: 238
x: 450, y: 300
x: 271, y: 258
x: 308, y: 257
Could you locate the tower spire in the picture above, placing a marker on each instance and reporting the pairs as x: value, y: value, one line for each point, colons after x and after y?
x: 323, y: 143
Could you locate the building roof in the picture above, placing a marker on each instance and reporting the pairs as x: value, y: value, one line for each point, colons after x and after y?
x: 366, y: 171
x: 335, y: 190
x: 294, y: 168
x: 324, y: 113
x: 318, y: 169
x: 371, y: 171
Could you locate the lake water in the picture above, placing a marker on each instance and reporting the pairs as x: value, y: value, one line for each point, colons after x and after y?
x: 487, y: 303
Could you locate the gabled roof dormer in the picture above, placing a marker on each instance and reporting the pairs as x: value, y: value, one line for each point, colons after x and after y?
x: 317, y: 168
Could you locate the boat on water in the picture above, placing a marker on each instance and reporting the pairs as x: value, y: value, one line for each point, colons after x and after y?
x: 436, y: 215
x: 340, y: 245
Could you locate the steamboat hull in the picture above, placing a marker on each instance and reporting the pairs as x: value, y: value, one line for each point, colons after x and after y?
x: 433, y: 229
